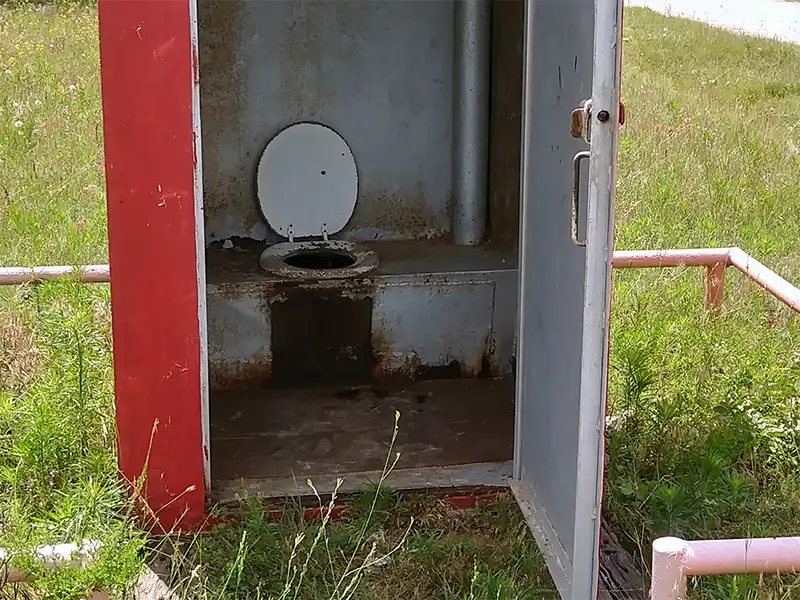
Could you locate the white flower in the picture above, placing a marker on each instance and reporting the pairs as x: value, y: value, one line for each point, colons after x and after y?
x: 72, y: 88
x: 18, y: 123
x: 8, y: 71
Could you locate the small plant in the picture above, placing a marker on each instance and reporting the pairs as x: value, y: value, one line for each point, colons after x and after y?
x: 58, y: 480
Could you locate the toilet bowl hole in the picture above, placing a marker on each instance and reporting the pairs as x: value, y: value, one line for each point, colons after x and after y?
x: 320, y: 259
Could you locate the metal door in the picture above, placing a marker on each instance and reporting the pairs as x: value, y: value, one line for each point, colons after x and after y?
x: 571, y: 56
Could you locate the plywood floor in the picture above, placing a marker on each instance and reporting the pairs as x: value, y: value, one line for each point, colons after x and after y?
x: 272, y: 434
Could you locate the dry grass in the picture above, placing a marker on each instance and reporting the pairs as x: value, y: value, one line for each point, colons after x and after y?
x: 20, y: 358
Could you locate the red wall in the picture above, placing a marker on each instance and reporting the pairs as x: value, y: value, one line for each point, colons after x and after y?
x: 147, y: 66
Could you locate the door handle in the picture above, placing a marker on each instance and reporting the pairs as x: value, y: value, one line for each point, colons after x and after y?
x: 576, y: 187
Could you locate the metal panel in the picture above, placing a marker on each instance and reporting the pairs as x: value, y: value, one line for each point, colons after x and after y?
x: 435, y: 288
x: 564, y: 289
x: 380, y: 73
x: 239, y: 339
x: 434, y: 327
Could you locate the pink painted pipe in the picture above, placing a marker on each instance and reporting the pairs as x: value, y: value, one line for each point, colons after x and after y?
x: 714, y: 259
x: 87, y: 274
x: 767, y: 279
x: 675, y: 559
x: 699, y: 257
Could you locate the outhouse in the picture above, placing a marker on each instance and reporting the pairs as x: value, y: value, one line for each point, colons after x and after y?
x: 322, y: 213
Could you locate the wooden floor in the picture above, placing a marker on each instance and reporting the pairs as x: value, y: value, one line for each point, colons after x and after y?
x: 271, y: 434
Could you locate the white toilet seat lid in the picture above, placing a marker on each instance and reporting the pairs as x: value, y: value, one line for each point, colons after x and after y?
x: 307, y: 181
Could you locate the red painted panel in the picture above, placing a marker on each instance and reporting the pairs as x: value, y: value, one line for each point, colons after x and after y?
x: 147, y: 77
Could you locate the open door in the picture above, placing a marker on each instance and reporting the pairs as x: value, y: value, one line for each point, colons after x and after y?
x: 572, y: 59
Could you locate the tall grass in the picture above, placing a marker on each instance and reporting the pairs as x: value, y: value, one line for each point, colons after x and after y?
x: 52, y: 185
x: 705, y: 440
x: 58, y: 478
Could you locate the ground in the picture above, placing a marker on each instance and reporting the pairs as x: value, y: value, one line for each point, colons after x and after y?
x: 706, y: 430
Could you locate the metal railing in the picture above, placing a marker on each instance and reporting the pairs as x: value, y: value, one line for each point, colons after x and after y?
x: 715, y: 260
x: 20, y: 275
x: 675, y: 559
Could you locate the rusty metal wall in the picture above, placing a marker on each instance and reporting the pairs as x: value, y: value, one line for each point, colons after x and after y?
x: 443, y: 325
x: 379, y: 72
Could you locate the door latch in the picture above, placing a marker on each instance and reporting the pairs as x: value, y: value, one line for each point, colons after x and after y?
x: 579, y: 122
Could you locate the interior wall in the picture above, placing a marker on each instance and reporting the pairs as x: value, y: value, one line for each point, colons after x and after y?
x: 508, y: 22
x: 379, y: 72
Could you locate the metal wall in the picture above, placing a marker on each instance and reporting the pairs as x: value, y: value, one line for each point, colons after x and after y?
x: 379, y: 72
x: 448, y: 324
x: 505, y: 122
x: 246, y: 98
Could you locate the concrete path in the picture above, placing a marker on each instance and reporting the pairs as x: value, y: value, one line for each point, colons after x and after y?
x: 765, y: 18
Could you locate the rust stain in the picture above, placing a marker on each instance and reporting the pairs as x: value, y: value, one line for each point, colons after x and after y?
x: 354, y: 289
x: 389, y: 366
x: 393, y: 366
x: 489, y: 367
x: 407, y: 215
x: 239, y: 374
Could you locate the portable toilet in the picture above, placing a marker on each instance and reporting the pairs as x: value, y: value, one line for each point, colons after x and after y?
x: 321, y: 213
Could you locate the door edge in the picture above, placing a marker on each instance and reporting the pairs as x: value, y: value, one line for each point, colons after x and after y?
x: 556, y: 557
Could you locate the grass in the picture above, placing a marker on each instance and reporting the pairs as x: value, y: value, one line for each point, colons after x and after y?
x: 704, y: 441
x: 485, y: 553
x: 52, y: 190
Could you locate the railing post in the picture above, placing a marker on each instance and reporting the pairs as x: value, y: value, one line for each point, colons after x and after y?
x: 715, y: 285
x: 668, y: 579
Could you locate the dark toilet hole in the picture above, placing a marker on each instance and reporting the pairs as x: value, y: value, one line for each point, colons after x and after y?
x: 320, y: 259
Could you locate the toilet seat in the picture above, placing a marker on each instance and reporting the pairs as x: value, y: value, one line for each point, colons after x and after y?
x: 307, y: 185
x: 273, y: 259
